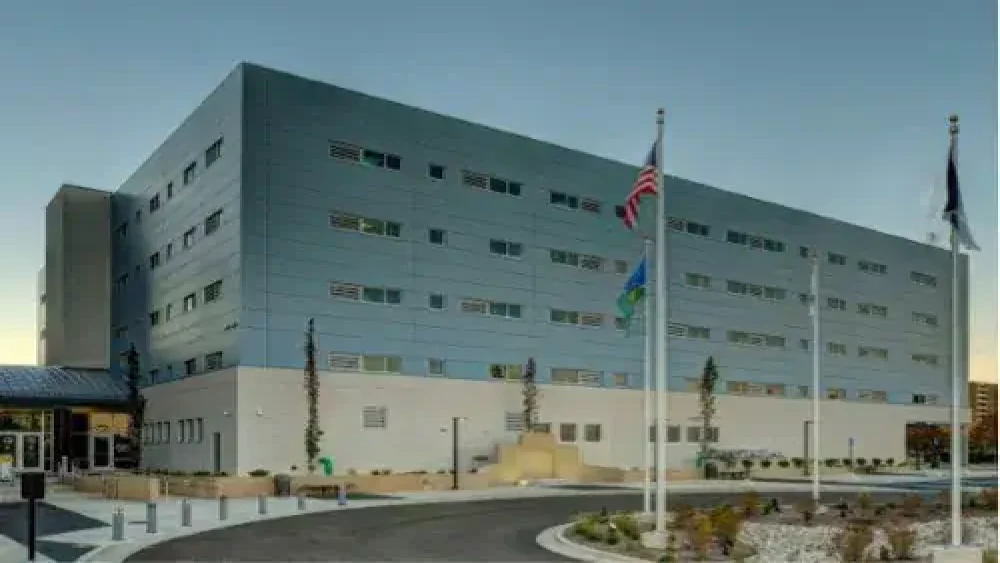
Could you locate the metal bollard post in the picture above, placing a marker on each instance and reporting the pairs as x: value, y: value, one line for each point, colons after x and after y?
x: 342, y: 495
x: 302, y: 501
x: 150, y: 517
x: 223, y: 507
x: 261, y: 504
x: 118, y: 524
x: 185, y: 513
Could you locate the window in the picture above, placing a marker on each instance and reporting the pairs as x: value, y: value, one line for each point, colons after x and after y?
x: 166, y: 432
x: 837, y: 259
x: 378, y: 227
x: 513, y: 421
x: 189, y: 237
x: 213, y: 153
x: 805, y: 252
x: 493, y: 184
x: 576, y: 318
x: 755, y: 241
x: 923, y: 279
x: 755, y: 339
x: 181, y: 431
x: 190, y: 302
x: 689, y: 227
x: 212, y: 222
x: 919, y: 399
x: 836, y: 394
x: 436, y: 301
x: 583, y: 261
x: 506, y: 248
x: 191, y: 366
x: 688, y: 331
x: 753, y: 290
x: 168, y: 311
x: 619, y: 379
x: 435, y: 171
x: 190, y: 430
x: 873, y: 353
x: 620, y: 211
x: 212, y: 291
x: 872, y: 310
x: 138, y: 216
x: 368, y: 294
x: 927, y: 319
x: 374, y: 418
x: 926, y: 359
x: 189, y: 173
x: 591, y: 432
x: 435, y: 366
x: 381, y: 364
x: 673, y: 434
x: 509, y: 372
x: 872, y: 395
x: 694, y: 434
x: 804, y: 344
x: 873, y: 268
x: 343, y: 362
x: 170, y: 190
x: 565, y: 376
x: 836, y: 349
x: 368, y: 157
x: 154, y: 203
x: 121, y: 231
x: 437, y: 236
x: 154, y: 374
x: 567, y: 432
x: 621, y: 323
x: 492, y: 308
x: 154, y: 260
x: 154, y: 318
x: 836, y: 303
x: 121, y: 333
x: 700, y: 281
x: 560, y: 199
x: 169, y: 251
x: 621, y: 267
x: 213, y: 361
x: 121, y: 282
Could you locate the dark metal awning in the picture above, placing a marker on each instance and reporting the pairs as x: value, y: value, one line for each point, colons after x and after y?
x: 50, y: 386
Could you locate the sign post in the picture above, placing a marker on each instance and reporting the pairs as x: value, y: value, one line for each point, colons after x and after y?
x: 32, y: 489
x: 850, y: 450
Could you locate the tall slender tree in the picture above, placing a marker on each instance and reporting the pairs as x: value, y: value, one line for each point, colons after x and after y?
x: 136, y: 405
x: 706, y: 401
x: 313, y: 432
x: 529, y: 396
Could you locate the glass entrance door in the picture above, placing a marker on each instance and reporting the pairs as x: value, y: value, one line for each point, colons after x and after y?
x: 8, y: 455
x: 102, y: 451
x: 31, y: 451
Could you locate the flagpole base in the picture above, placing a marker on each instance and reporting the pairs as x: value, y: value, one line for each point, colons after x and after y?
x: 957, y: 554
x: 656, y: 539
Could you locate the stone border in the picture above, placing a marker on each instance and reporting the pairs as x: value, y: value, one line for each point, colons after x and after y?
x: 554, y: 539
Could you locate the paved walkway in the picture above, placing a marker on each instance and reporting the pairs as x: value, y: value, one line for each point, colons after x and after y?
x: 91, y: 531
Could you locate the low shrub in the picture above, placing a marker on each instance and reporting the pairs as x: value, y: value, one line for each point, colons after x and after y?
x: 784, y: 464
x: 747, y: 464
x: 627, y: 525
x: 912, y: 503
x: 683, y: 514
x: 890, y: 462
x: 700, y: 535
x: 587, y: 529
x: 876, y: 462
x: 765, y: 463
x: 990, y: 556
x: 830, y: 462
x: 798, y: 462
x: 750, y: 502
x: 864, y: 501
x: 852, y: 542
x: 726, y: 523
x: 988, y: 498
x: 861, y: 462
x: 613, y: 537
x: 202, y: 474
x: 847, y: 462
x: 903, y: 540
x: 807, y: 511
x: 220, y: 474
x: 259, y: 473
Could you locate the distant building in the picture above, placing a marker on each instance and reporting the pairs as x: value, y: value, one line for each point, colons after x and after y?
x: 437, y: 256
x: 983, y: 400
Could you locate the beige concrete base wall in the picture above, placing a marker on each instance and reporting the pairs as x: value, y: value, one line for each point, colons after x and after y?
x: 403, y: 482
x: 124, y: 487
x: 215, y: 487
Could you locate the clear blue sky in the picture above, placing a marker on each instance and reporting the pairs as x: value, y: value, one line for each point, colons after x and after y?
x: 837, y: 107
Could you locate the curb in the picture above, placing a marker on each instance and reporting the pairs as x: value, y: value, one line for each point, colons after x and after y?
x: 554, y: 539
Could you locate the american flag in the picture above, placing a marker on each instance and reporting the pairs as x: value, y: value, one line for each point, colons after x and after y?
x: 646, y: 183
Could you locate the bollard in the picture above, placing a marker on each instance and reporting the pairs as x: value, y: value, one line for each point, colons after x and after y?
x: 185, y: 512
x: 150, y: 517
x: 118, y: 524
x: 302, y: 501
x: 342, y: 495
x: 261, y: 504
x: 223, y: 507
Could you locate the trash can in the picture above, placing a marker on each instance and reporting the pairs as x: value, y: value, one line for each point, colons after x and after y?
x: 283, y: 485
x: 711, y: 470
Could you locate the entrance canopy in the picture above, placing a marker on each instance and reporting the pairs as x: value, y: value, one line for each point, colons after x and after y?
x: 50, y: 386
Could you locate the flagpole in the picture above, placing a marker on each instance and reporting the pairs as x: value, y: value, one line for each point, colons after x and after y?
x: 816, y: 371
x: 647, y: 373
x: 956, y: 391
x: 661, y: 337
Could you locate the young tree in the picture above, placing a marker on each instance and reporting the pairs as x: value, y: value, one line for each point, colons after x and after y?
x: 136, y: 404
x: 313, y: 432
x: 529, y: 395
x: 983, y: 437
x: 706, y: 400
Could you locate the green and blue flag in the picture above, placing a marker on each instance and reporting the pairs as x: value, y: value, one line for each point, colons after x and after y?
x: 633, y: 293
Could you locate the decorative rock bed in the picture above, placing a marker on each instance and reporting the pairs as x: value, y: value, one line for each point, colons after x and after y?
x: 765, y: 532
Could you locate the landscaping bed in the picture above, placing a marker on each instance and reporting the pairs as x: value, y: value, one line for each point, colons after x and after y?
x: 763, y: 531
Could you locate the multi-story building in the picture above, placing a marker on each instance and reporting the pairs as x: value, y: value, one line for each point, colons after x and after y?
x: 982, y: 400
x: 437, y: 256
